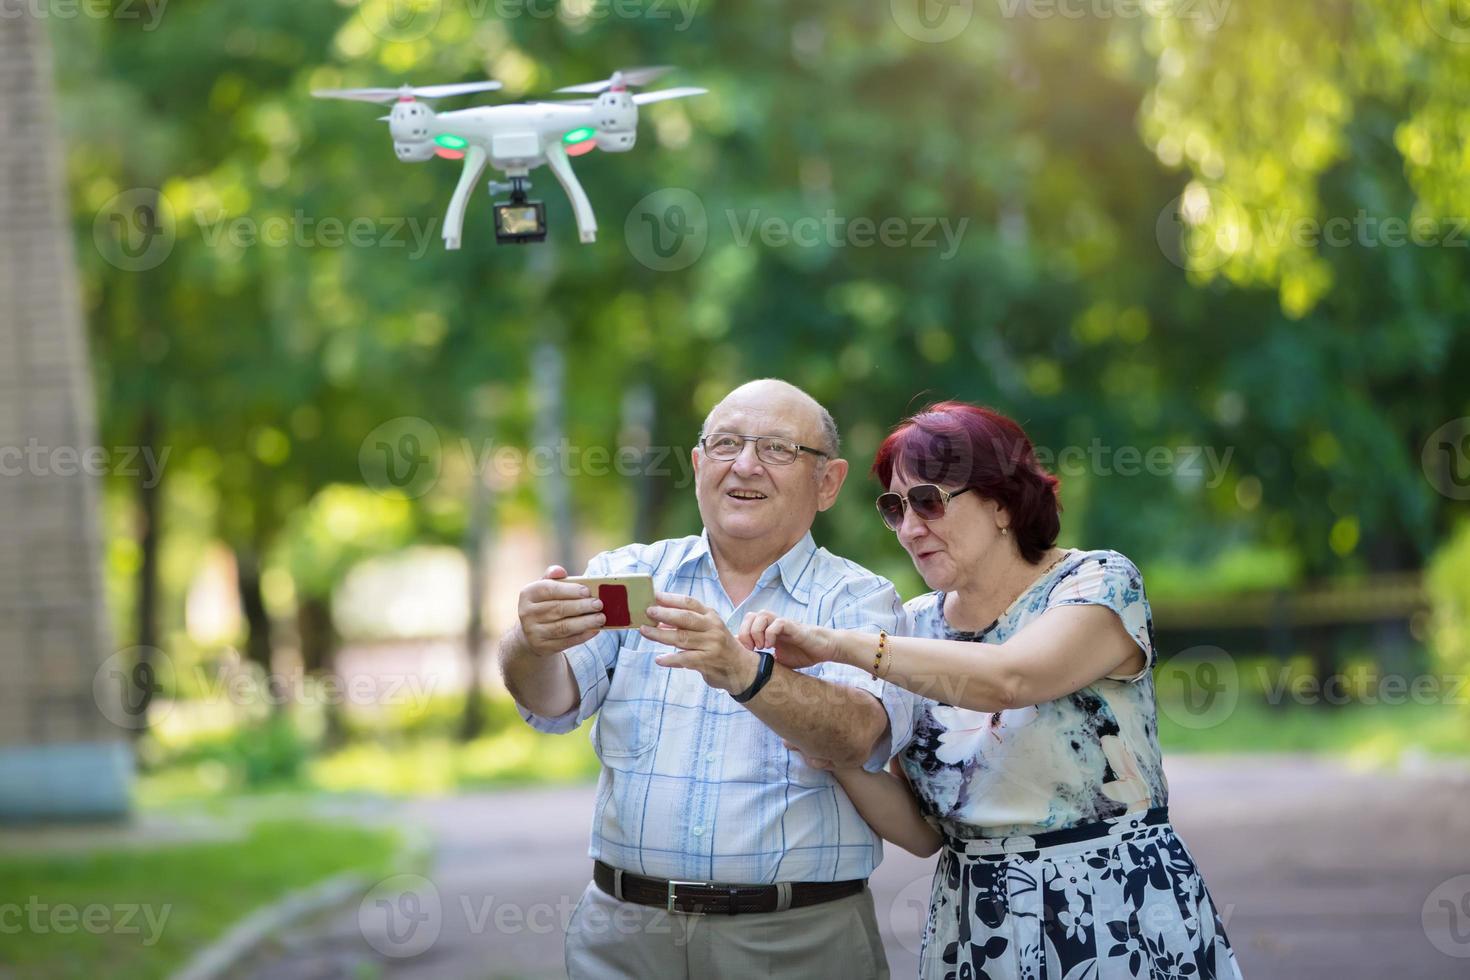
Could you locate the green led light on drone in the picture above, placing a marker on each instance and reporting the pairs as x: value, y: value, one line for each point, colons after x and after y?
x: 579, y: 135
x: 451, y: 142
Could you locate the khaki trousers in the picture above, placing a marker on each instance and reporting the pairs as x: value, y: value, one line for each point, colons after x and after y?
x: 607, y: 938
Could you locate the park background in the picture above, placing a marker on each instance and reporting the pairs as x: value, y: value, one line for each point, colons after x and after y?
x: 1213, y: 255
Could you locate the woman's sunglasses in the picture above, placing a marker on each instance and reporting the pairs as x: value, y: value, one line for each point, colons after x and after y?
x: 927, y: 500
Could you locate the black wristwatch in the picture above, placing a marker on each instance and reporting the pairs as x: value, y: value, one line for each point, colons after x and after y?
x: 762, y: 675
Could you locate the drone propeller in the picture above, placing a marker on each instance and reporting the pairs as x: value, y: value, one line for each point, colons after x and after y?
x: 627, y: 76
x: 643, y: 98
x: 405, y: 92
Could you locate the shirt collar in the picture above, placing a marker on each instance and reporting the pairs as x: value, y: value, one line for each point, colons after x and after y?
x: 793, y: 567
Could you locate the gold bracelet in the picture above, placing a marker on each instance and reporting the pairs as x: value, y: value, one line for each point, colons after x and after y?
x: 882, y: 649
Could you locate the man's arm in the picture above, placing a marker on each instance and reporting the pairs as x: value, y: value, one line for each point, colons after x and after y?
x: 552, y: 617
x: 829, y: 720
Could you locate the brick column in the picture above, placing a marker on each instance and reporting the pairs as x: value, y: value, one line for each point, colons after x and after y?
x: 59, y: 755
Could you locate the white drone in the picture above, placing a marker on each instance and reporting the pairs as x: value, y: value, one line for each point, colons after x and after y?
x: 515, y: 138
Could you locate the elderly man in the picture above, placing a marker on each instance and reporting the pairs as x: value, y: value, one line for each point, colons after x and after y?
x: 700, y: 807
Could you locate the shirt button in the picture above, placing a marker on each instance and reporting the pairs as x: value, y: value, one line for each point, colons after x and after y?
x: 709, y: 757
x: 698, y: 831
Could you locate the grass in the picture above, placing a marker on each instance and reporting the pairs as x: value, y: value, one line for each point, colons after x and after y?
x: 144, y: 912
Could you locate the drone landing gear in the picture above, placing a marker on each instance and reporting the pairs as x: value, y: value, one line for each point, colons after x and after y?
x: 561, y: 166
x: 474, y: 163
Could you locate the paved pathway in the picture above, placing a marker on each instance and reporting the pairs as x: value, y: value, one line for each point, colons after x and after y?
x: 1322, y: 873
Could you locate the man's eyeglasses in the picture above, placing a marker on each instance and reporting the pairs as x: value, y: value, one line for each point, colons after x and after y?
x: 927, y: 500
x: 768, y: 449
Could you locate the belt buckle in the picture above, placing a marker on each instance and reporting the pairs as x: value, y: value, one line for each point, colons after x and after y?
x: 669, y: 906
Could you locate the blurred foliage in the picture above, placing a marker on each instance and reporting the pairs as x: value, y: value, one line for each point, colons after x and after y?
x: 410, y: 750
x: 1449, y: 592
x: 1123, y: 280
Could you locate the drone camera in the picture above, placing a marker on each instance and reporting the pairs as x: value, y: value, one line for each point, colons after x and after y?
x: 519, y: 221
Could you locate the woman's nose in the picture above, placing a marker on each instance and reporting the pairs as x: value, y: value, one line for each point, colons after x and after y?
x: 913, y: 527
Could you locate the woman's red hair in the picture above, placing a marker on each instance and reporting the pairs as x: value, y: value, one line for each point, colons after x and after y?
x: 956, y: 444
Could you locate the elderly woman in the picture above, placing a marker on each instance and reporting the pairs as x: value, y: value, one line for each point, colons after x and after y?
x: 1034, y: 759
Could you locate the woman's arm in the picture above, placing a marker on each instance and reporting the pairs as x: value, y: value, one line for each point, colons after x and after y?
x: 886, y: 802
x: 1065, y: 649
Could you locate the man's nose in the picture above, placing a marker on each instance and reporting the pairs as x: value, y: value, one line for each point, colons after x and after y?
x: 747, y: 463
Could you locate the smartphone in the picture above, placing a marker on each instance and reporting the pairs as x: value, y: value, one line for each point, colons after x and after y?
x: 624, y: 598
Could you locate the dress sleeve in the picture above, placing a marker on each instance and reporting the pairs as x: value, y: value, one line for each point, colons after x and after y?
x: 1109, y: 579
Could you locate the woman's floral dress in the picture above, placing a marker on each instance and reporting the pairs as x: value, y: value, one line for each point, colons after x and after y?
x: 1059, y: 859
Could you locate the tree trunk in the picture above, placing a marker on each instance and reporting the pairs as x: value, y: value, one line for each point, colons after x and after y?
x: 318, y: 636
x: 477, y: 550
x: 258, y: 640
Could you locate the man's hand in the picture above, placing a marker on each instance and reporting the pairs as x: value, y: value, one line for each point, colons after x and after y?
x: 796, y: 644
x: 702, y: 641
x: 555, y: 616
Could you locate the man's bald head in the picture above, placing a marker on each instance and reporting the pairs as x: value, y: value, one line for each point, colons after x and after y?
x: 781, y: 398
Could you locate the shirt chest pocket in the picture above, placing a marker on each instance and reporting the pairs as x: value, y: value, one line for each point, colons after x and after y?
x: 626, y: 728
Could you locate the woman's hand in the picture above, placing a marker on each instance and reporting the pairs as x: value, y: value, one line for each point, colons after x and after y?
x: 812, y: 761
x: 795, y: 644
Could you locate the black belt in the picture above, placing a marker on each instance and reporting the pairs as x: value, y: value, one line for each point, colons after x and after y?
x: 706, y: 897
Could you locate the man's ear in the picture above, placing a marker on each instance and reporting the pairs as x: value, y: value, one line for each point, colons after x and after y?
x: 830, y: 483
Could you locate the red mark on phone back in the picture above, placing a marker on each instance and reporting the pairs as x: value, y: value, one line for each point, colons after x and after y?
x: 615, y: 604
